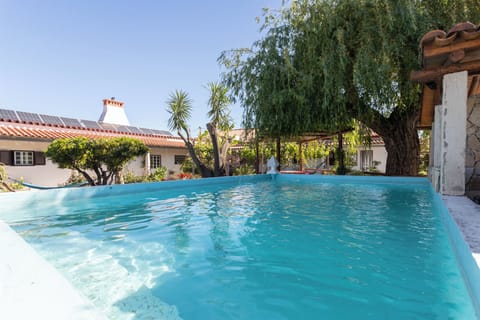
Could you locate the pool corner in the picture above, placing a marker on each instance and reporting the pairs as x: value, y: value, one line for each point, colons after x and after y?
x: 464, y: 230
x: 30, y: 288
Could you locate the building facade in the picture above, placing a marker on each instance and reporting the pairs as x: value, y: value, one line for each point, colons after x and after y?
x: 24, y: 137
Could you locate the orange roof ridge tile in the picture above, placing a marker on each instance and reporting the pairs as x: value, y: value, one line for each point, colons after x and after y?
x: 25, y: 130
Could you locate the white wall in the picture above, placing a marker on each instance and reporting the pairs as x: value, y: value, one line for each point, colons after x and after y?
x: 136, y: 166
x: 379, y: 154
x: 50, y: 175
x: 45, y: 175
x: 168, y: 157
x: 454, y: 133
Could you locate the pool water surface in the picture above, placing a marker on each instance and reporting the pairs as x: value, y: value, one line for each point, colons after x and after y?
x: 297, y: 247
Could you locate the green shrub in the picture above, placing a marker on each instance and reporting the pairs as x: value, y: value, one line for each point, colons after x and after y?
x: 130, y: 177
x: 188, y: 167
x: 356, y: 173
x: 3, y: 173
x: 75, y: 178
x: 244, y: 170
x: 158, y: 175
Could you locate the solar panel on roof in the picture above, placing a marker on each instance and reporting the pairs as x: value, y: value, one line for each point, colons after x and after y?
x: 8, y: 115
x: 108, y: 126
x: 69, y: 122
x: 123, y: 129
x: 161, y: 132
x: 134, y: 130
x: 29, y: 117
x: 146, y: 131
x: 91, y: 124
x: 54, y: 120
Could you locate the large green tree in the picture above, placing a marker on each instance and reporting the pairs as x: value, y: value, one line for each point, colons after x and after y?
x: 323, y: 63
x: 104, y: 157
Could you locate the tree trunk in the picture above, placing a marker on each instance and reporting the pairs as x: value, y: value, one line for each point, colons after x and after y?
x: 205, y: 172
x: 98, y: 172
x: 216, y: 153
x: 110, y: 177
x: 105, y: 177
x: 224, y: 165
x: 119, y: 177
x: 86, y: 175
x: 403, y: 150
x: 400, y: 136
x: 7, y: 186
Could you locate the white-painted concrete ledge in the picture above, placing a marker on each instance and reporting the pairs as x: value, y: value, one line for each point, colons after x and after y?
x: 30, y: 288
x: 466, y: 214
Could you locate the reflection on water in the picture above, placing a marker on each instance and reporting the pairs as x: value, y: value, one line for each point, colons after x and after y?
x: 257, y: 251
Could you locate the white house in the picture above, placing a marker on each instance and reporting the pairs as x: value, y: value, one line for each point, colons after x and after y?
x: 25, y: 136
x: 373, y: 156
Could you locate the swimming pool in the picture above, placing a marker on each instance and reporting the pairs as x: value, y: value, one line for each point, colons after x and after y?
x: 261, y: 247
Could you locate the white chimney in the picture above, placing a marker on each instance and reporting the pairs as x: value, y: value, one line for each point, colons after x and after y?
x: 113, y: 112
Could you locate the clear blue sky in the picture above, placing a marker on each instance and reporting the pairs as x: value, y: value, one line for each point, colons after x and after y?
x: 63, y: 57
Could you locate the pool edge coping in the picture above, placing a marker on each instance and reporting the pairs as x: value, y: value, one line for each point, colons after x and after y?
x: 463, y: 225
x: 31, y: 288
x: 466, y: 215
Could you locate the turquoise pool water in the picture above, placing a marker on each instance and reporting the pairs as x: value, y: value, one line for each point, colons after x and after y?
x: 293, y: 247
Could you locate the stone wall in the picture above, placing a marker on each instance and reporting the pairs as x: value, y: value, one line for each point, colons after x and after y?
x: 472, y: 156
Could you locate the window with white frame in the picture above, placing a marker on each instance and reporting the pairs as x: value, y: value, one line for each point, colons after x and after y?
x: 155, y: 161
x: 366, y: 159
x: 23, y: 158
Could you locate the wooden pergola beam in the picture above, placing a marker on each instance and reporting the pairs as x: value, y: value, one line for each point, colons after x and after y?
x: 430, y: 51
x: 426, y: 76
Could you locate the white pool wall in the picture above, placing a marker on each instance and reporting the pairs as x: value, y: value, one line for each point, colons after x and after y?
x: 30, y: 288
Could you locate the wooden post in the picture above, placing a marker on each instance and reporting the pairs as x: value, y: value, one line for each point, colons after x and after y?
x: 300, y: 157
x: 257, y: 160
x: 341, y: 156
x: 278, y: 153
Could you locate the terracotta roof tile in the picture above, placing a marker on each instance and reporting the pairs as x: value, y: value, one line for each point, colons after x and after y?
x: 37, y: 131
x: 460, y: 31
x: 443, y: 53
x: 376, y: 140
x: 441, y: 49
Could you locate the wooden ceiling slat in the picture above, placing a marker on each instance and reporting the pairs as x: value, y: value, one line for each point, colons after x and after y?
x: 437, y: 73
x: 473, y: 86
x: 428, y: 108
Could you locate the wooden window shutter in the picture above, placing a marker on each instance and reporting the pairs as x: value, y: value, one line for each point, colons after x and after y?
x: 6, y: 157
x: 39, y: 158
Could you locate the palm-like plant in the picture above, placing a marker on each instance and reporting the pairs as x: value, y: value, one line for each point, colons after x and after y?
x: 219, y: 115
x: 219, y: 101
x: 179, y: 106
